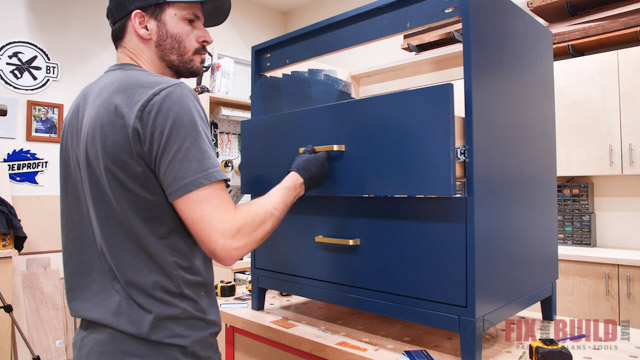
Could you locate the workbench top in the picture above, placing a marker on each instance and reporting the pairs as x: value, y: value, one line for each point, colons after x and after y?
x: 336, y: 332
x: 600, y: 255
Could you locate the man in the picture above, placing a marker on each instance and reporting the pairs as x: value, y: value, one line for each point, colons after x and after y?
x: 45, y: 125
x: 143, y: 198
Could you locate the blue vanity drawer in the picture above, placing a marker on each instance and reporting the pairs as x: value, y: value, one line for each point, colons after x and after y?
x: 394, y: 144
x: 412, y: 247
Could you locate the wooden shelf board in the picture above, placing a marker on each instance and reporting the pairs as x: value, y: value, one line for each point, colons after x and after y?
x: 435, y: 36
x: 556, y: 10
x: 431, y: 67
x: 606, y: 20
x: 237, y: 103
x: 240, y: 265
x: 626, y: 37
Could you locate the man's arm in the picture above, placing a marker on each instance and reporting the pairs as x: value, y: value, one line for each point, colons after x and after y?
x: 227, y: 231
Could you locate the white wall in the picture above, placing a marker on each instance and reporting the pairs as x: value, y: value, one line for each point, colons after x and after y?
x: 77, y: 36
x: 74, y: 34
x: 617, y: 208
x: 320, y: 10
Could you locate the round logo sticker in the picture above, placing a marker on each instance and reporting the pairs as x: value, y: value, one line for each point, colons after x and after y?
x: 26, y: 68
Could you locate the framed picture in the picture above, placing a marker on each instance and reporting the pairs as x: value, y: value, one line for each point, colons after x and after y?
x: 44, y: 121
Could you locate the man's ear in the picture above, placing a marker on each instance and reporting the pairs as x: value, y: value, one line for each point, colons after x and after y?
x: 142, y: 24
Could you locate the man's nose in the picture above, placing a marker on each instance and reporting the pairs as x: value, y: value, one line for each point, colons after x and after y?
x: 205, y: 37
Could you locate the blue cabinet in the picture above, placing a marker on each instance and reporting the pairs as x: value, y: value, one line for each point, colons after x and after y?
x: 390, y: 232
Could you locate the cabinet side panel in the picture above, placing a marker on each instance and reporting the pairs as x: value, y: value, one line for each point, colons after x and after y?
x: 511, y: 174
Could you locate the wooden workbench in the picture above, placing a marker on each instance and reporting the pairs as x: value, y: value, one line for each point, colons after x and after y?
x: 292, y: 327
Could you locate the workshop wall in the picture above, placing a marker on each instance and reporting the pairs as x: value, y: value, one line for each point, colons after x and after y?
x: 76, y: 35
x: 320, y: 10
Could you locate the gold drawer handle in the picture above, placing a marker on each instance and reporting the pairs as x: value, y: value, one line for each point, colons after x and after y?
x: 327, y: 240
x: 325, y: 148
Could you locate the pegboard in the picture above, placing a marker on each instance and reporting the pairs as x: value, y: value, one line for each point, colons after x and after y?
x: 229, y: 145
x: 229, y: 138
x: 228, y: 126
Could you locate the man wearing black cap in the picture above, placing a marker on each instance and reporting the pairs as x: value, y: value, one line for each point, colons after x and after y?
x: 144, y: 205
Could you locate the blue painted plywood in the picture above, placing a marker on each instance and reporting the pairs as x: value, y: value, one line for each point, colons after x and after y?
x: 402, y: 245
x: 510, y: 128
x: 370, y: 22
x: 396, y: 144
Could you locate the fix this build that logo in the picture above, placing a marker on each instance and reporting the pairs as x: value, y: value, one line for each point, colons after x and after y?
x: 24, y: 166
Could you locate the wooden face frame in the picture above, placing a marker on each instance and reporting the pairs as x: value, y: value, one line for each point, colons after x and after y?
x: 44, y: 121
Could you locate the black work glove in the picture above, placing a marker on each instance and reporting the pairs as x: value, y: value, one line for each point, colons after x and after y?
x: 312, y: 166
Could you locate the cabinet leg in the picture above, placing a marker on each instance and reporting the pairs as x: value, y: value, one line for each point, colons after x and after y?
x: 258, y: 294
x: 548, y: 305
x: 471, y: 334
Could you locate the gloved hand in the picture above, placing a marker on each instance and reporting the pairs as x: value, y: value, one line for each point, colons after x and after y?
x: 312, y: 166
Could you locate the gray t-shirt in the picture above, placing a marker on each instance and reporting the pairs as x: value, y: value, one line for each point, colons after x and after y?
x: 132, y: 143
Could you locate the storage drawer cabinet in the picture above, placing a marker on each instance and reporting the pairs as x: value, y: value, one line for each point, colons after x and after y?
x: 381, y: 136
x: 398, y: 239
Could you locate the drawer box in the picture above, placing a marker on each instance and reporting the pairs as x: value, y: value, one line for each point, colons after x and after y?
x: 402, y: 244
x: 382, y: 137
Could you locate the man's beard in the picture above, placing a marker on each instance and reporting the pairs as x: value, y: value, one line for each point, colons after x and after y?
x: 171, y: 52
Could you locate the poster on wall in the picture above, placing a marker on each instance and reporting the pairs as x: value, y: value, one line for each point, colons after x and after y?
x: 44, y: 121
x: 26, y: 68
x: 24, y: 166
x: 8, y: 118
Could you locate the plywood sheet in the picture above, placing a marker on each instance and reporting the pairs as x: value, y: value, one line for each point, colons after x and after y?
x: 6, y: 287
x: 38, y: 264
x: 69, y: 323
x: 44, y: 310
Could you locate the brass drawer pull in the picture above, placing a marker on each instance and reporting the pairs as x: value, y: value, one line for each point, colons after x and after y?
x: 327, y: 240
x: 325, y: 148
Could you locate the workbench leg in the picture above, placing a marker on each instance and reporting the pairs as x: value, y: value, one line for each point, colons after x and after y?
x: 548, y: 305
x: 258, y: 294
x: 471, y: 333
x: 229, y: 337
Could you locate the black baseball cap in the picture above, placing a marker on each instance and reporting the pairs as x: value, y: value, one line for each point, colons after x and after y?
x: 215, y: 11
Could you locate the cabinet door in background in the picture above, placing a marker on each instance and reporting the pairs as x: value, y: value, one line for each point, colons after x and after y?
x: 630, y: 295
x: 588, y: 115
x: 630, y: 109
x: 587, y: 290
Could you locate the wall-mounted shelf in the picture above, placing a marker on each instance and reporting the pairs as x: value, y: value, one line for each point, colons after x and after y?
x: 209, y: 101
x: 600, y: 29
x: 593, y: 44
